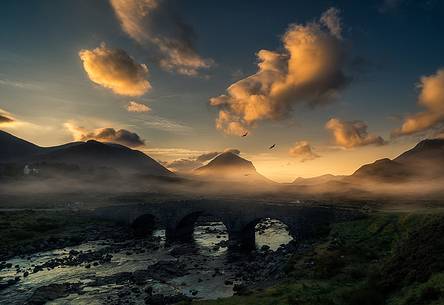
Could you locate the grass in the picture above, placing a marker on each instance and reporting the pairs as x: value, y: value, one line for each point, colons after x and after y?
x: 373, y: 261
x: 25, y: 229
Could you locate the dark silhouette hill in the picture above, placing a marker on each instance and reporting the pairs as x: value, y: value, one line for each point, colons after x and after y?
x: 13, y: 148
x: 83, y: 154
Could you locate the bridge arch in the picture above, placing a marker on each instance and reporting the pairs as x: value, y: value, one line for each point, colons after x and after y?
x: 182, y: 230
x: 245, y: 238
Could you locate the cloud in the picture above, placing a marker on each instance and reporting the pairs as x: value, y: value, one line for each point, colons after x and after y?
x: 309, y: 70
x: 230, y: 123
x: 6, y: 119
x: 350, y: 134
x: 161, y: 123
x: 207, y: 156
x: 20, y: 84
x: 303, y: 151
x: 156, y: 23
x: 137, y: 107
x: 121, y: 136
x: 183, y: 165
x: 116, y: 70
x: 331, y: 20
x: 431, y: 97
x: 233, y: 151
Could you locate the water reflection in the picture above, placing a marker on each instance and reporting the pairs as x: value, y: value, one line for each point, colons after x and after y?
x: 207, y: 271
x: 211, y: 237
x: 272, y: 233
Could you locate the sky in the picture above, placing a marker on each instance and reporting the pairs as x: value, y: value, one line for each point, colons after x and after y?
x: 334, y: 84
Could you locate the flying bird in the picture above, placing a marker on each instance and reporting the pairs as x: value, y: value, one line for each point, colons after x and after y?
x: 245, y: 134
x: 272, y: 146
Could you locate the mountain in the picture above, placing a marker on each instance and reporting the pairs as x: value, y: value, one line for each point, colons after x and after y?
x: 425, y: 152
x: 83, y: 154
x: 317, y: 180
x: 424, y: 161
x: 385, y: 170
x: 97, y: 154
x: 13, y: 148
x: 229, y: 166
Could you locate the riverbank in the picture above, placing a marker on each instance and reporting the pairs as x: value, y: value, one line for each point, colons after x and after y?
x: 393, y: 259
x: 28, y: 231
x: 70, y: 257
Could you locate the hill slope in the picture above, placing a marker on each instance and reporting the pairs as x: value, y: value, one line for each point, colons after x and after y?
x: 424, y: 161
x: 229, y: 166
x: 83, y: 154
x: 13, y: 148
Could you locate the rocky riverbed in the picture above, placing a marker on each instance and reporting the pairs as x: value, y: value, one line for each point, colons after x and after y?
x: 124, y: 270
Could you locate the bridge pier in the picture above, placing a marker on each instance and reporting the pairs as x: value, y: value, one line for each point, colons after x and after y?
x: 181, y: 234
x: 244, y: 241
x: 182, y: 230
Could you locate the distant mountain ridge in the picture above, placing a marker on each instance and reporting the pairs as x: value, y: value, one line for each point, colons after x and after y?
x: 317, y: 180
x: 424, y: 161
x: 83, y: 154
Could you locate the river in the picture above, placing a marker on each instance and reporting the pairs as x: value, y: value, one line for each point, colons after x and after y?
x: 206, y: 271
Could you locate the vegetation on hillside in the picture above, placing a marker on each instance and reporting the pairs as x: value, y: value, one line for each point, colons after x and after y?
x: 393, y: 259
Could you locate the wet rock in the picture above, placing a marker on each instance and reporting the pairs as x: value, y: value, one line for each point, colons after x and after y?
x: 183, y: 249
x: 160, y: 299
x: 265, y: 248
x: 166, y: 270
x: 8, y: 283
x: 240, y: 289
x: 149, y: 290
x: 37, y: 269
x: 123, y: 293
x: 52, y: 292
x: 73, y: 252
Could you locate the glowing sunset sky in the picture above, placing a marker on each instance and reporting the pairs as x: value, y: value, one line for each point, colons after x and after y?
x: 334, y: 84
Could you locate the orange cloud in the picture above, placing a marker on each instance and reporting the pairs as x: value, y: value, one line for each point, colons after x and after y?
x: 350, y: 134
x: 137, y: 107
x: 155, y: 23
x: 116, y: 70
x: 308, y: 71
x: 121, y: 136
x: 431, y: 97
x: 303, y: 151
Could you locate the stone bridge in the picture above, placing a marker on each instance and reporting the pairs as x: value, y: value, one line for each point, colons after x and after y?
x: 240, y: 217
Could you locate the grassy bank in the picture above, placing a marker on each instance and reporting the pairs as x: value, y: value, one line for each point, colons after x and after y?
x: 393, y: 259
x: 29, y: 231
